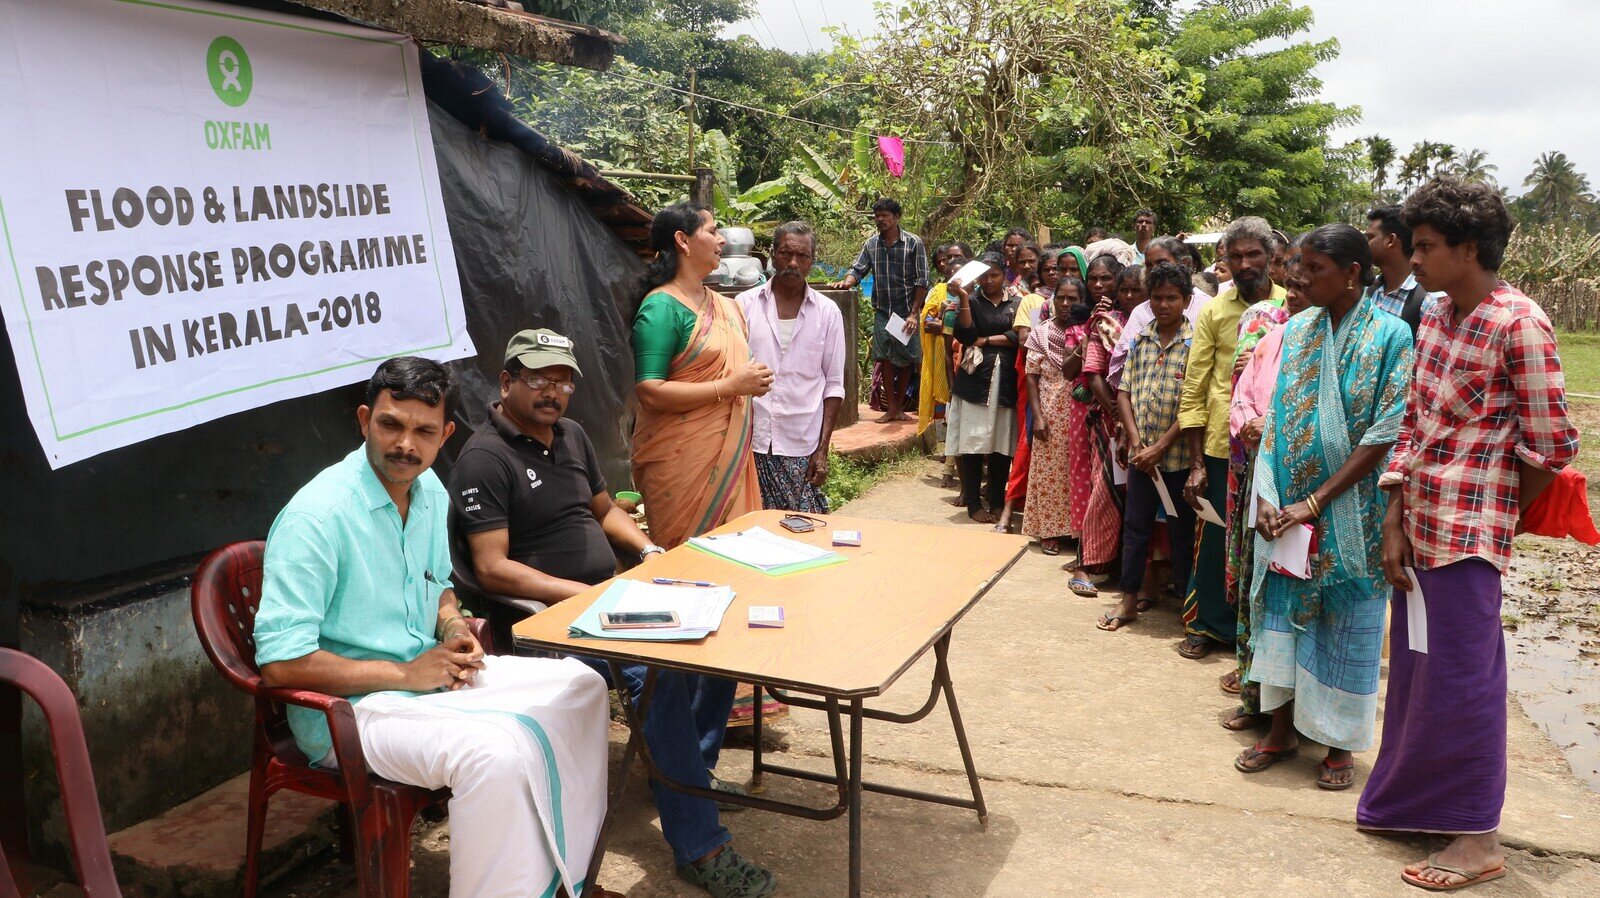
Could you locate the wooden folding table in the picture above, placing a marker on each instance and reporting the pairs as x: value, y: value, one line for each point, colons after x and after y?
x: 850, y: 631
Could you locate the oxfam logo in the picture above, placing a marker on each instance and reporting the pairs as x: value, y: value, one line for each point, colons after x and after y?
x: 229, y: 68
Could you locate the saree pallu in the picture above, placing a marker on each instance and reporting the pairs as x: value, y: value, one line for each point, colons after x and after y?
x: 1102, y: 524
x: 1255, y: 325
x: 695, y: 468
x: 1318, y: 642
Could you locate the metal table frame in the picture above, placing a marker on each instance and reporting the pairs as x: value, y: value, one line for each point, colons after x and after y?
x: 846, y: 778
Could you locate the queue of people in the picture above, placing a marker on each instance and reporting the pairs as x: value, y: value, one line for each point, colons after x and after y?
x: 1291, y: 445
x: 1283, y: 461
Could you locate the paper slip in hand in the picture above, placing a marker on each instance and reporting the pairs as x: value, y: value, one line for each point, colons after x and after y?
x: 1208, y: 513
x: 1166, y: 496
x: 969, y: 273
x: 1253, y: 510
x: 1416, y: 615
x: 897, y: 329
x: 1291, y: 552
x: 1119, y: 474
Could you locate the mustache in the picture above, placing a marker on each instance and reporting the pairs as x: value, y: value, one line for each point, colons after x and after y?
x: 403, y: 458
x: 547, y: 403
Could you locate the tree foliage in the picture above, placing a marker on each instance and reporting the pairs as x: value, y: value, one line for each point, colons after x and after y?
x: 1009, y: 99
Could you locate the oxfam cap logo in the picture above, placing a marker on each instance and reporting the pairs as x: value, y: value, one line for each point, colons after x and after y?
x: 229, y: 68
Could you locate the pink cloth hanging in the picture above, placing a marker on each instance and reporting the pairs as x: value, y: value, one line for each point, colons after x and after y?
x: 894, y: 155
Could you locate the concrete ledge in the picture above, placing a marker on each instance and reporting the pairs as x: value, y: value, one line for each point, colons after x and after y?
x: 866, y: 440
x: 196, y: 850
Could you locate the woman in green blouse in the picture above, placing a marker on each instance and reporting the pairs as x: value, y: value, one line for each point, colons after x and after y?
x: 695, y: 381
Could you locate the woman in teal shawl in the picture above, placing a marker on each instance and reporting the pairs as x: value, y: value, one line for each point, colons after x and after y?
x: 1335, y: 413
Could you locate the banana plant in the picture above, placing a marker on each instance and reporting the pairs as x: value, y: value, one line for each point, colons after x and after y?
x: 733, y: 206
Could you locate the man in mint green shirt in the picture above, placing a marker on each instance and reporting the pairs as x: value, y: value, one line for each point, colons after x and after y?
x: 356, y: 601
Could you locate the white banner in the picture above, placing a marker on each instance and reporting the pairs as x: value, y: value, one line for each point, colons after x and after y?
x: 206, y: 209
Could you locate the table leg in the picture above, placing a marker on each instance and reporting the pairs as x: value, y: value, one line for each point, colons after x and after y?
x: 755, y: 732
x: 942, y: 671
x: 635, y: 737
x: 855, y: 798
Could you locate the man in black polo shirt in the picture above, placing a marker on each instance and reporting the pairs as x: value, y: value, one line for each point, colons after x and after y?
x: 531, y: 525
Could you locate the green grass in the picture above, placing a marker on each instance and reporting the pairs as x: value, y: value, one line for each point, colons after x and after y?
x: 848, y: 478
x: 1580, y: 361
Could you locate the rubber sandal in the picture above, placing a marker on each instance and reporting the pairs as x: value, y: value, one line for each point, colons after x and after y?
x: 1273, y: 757
x: 1335, y: 768
x: 1144, y: 605
x: 1471, y: 879
x: 1083, y: 588
x: 1195, y: 647
x: 1251, y: 720
x: 1051, y: 548
x: 1230, y: 682
x: 1107, y: 619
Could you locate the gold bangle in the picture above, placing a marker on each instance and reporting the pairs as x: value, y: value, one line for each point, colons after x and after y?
x: 439, y: 631
x: 1316, y: 507
x: 717, y: 386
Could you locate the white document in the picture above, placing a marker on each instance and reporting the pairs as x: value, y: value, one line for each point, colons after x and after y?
x: 700, y: 609
x: 1166, y: 497
x: 1208, y: 513
x: 1416, y: 615
x: 969, y: 273
x: 1250, y: 515
x: 1119, y: 474
x: 897, y: 329
x: 759, y: 547
x: 1291, y: 552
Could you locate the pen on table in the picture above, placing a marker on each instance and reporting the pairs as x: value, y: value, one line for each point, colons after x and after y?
x: 673, y: 581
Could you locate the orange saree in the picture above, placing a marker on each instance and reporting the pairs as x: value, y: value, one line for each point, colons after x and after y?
x: 695, y: 468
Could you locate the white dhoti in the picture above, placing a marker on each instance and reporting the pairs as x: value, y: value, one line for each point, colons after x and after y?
x: 523, y: 752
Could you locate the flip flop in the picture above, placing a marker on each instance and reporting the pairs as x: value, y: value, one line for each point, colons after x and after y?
x: 1144, y: 605
x: 1050, y: 548
x: 1274, y: 755
x: 1471, y: 879
x: 1230, y: 683
x: 1251, y: 720
x: 1195, y: 647
x: 1108, y: 619
x: 1336, y: 787
x: 1083, y: 588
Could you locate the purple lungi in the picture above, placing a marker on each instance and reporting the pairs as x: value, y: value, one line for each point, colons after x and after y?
x: 1442, y: 765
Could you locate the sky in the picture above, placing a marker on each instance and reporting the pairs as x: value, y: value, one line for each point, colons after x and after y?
x: 1506, y: 77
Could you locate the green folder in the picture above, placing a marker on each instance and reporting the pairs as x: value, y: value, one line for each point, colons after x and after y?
x: 780, y: 570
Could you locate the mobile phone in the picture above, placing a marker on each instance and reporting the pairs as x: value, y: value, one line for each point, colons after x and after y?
x: 796, y: 524
x: 637, y: 620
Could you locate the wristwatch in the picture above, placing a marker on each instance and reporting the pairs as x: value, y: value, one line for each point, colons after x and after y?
x: 651, y: 549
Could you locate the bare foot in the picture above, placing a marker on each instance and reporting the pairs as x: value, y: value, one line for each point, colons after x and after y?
x: 957, y: 500
x: 892, y: 417
x: 1478, y: 853
x: 982, y: 517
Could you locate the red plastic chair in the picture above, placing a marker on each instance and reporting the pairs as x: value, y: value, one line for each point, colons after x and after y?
x: 85, y: 827
x: 379, y: 813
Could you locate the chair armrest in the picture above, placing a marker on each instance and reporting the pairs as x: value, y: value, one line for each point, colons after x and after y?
x: 341, y: 717
x: 480, y: 631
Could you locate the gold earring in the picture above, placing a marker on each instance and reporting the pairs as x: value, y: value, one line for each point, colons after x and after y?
x: 1349, y: 285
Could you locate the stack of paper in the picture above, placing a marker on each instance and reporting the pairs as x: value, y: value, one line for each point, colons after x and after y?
x: 699, y: 609
x: 766, y: 551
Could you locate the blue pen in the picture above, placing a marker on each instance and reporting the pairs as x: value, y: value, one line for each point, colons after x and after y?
x: 673, y: 581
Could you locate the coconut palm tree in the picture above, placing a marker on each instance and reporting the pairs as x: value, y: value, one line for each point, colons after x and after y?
x: 1380, y: 152
x: 1475, y: 167
x: 1558, y: 192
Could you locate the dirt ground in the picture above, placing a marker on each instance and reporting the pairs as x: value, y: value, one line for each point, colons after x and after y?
x: 1105, y: 770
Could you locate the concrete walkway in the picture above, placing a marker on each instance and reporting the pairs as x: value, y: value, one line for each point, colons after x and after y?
x: 1104, y: 770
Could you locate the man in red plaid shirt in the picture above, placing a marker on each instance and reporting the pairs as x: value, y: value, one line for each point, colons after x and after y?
x: 1485, y: 429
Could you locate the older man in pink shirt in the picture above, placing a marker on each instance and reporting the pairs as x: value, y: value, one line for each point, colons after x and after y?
x: 799, y: 334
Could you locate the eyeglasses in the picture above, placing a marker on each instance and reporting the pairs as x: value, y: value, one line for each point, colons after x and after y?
x: 540, y: 384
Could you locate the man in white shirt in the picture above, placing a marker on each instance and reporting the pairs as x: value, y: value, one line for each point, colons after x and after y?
x: 799, y: 334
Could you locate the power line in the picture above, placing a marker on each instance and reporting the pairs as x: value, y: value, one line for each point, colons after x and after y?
x: 803, y: 29
x: 824, y: 5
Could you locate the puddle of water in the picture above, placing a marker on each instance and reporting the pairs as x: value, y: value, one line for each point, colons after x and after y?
x: 1554, y: 671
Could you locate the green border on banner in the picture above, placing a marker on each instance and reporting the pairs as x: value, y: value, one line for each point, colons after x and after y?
x: 400, y: 44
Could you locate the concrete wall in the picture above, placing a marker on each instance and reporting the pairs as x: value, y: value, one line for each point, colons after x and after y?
x: 160, y: 723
